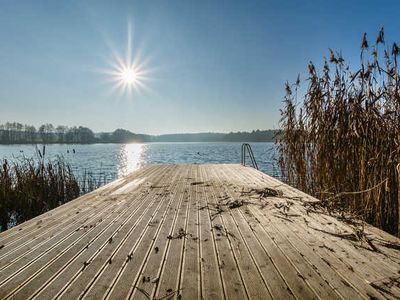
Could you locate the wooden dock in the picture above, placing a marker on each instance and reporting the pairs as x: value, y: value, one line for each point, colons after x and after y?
x: 196, y: 232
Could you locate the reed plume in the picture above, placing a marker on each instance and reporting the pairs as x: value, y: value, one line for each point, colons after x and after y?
x: 32, y: 186
x: 341, y: 142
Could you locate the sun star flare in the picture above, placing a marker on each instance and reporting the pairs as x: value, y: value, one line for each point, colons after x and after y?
x: 127, y: 74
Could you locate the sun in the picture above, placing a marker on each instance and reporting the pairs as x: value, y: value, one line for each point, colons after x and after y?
x: 129, y: 73
x: 128, y: 76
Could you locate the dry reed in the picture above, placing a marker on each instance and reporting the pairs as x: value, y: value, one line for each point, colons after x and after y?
x: 341, y: 142
x: 29, y: 187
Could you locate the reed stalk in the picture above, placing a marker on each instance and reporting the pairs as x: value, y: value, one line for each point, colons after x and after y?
x: 341, y: 141
x: 32, y: 186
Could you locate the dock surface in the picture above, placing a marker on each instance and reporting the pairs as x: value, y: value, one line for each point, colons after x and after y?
x: 196, y: 232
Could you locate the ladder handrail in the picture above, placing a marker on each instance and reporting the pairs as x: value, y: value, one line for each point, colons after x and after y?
x: 246, y: 146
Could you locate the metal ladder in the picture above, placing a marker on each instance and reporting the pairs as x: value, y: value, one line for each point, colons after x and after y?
x: 247, y: 147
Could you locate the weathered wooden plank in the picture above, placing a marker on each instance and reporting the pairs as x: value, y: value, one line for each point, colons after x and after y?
x: 155, y: 261
x: 255, y: 284
x: 106, y: 266
x: 232, y: 279
x: 131, y: 273
x: 211, y: 279
x: 190, y: 281
x: 304, y: 257
x: 54, y: 222
x: 26, y: 228
x: 170, y: 232
x: 88, y: 239
x: 386, y: 255
x: 325, y: 227
x: 171, y: 269
x: 330, y: 259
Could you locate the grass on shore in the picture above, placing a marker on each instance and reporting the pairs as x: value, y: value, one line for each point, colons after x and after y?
x: 29, y: 187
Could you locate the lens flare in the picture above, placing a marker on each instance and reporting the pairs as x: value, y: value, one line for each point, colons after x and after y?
x: 129, y: 73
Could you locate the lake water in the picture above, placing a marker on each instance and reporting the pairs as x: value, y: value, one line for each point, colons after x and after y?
x: 106, y: 162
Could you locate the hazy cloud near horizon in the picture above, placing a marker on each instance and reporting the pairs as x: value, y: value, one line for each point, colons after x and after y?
x: 208, y: 66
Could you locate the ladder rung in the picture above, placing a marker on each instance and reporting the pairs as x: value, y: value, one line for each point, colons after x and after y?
x: 246, y: 146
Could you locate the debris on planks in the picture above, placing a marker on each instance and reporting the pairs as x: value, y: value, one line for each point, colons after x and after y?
x: 223, y: 230
x: 197, y: 183
x: 144, y: 292
x: 390, y: 245
x: 235, y: 204
x: 387, y: 286
x: 169, y: 294
x: 158, y: 186
x: 290, y: 250
x: 181, y: 234
x: 262, y: 192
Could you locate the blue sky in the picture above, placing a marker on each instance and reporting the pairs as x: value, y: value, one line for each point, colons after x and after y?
x: 212, y: 65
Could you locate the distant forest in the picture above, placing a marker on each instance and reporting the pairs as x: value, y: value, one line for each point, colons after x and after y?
x: 17, y: 133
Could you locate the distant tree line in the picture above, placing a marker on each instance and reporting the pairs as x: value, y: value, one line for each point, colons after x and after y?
x: 241, y: 136
x: 17, y: 133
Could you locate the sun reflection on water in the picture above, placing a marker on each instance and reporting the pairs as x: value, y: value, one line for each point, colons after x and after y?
x: 130, y: 158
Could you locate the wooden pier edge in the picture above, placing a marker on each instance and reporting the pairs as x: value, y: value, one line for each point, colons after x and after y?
x: 214, y: 231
